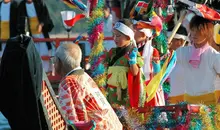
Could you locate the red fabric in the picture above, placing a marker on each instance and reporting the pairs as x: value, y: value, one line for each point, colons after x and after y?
x: 72, y: 21
x: 207, y: 12
x: 134, y: 89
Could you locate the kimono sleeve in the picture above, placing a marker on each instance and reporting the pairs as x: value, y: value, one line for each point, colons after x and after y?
x: 140, y: 61
x: 66, y: 102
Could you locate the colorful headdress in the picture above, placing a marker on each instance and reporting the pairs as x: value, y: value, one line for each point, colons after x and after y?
x: 145, y: 16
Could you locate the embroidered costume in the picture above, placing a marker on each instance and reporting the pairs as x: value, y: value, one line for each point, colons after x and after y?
x: 124, y: 88
x: 118, y: 75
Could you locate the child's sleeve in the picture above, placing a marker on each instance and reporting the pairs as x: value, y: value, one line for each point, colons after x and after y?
x: 156, y: 61
x: 140, y: 61
x: 217, y: 64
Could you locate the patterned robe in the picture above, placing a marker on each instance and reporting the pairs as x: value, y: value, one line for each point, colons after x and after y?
x: 81, y: 100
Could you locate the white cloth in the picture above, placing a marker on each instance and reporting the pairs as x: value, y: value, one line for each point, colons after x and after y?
x: 5, y: 16
x: 147, y: 32
x: 40, y: 46
x: 185, y: 79
x: 147, y: 54
x: 178, y: 36
x: 217, y: 83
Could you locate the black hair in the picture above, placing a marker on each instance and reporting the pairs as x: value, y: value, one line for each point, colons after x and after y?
x: 127, y: 22
x: 182, y: 30
x: 107, y: 7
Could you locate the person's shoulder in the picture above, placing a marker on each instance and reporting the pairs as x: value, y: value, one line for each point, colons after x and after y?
x: 111, y: 51
x: 184, y: 49
x: 68, y: 81
x: 110, y: 16
x: 213, y: 50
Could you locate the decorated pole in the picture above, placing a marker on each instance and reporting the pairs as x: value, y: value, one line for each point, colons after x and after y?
x: 96, y: 37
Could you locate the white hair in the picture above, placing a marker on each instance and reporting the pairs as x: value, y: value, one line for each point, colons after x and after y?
x: 70, y: 55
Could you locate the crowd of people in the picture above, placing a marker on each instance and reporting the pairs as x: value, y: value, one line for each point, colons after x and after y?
x: 193, y: 79
x: 132, y: 62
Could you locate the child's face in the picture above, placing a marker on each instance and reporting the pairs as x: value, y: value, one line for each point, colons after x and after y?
x: 120, y: 39
x: 197, y: 38
x: 176, y: 43
x: 139, y: 36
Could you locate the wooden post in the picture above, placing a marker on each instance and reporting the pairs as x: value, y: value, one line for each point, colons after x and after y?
x: 178, y: 24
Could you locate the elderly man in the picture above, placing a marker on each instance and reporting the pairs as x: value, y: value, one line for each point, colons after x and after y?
x: 79, y: 96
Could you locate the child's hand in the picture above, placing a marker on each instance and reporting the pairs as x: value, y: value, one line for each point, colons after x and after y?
x: 133, y: 56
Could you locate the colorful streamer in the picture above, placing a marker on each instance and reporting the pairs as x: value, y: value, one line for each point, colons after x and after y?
x: 160, y: 77
x: 69, y: 4
x: 96, y: 37
x: 75, y: 4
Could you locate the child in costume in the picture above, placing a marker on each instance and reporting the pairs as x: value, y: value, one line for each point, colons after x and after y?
x: 180, y: 39
x: 151, y: 56
x: 194, y: 75
x: 124, y: 64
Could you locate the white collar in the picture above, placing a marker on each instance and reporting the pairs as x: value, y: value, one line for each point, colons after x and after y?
x: 77, y: 68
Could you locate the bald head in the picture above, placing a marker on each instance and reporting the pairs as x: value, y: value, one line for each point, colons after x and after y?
x: 70, y: 55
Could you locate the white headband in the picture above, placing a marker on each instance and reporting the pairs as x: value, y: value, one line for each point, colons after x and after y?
x: 125, y: 30
x: 147, y: 32
x: 178, y: 36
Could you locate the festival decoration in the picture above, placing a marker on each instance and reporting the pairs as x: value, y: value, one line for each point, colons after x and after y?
x: 160, y: 77
x: 154, y: 23
x: 192, y: 117
x: 75, y: 4
x: 71, y: 22
x: 96, y: 38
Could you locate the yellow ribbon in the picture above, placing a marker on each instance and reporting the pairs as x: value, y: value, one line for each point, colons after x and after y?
x: 154, y: 84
